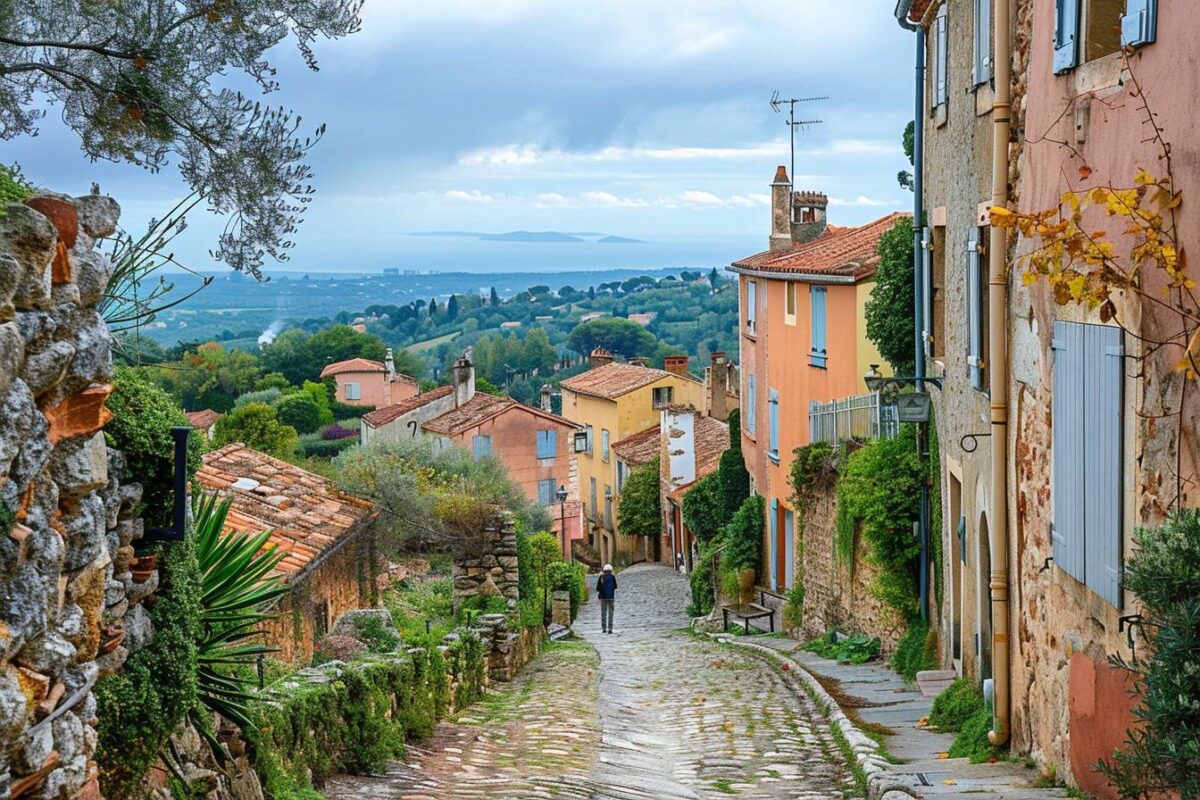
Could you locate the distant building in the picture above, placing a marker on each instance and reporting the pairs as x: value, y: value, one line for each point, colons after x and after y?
x: 510, y: 325
x: 204, y: 421
x: 328, y: 558
x: 643, y: 319
x: 362, y: 382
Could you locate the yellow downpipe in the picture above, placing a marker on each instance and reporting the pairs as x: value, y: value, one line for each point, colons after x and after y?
x: 998, y: 376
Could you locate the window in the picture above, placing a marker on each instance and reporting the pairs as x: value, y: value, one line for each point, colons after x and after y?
x: 789, y: 303
x: 353, y: 391
x: 1088, y: 474
x: 751, y: 403
x: 751, y: 305
x: 816, y: 301
x: 773, y: 420
x: 976, y: 313
x: 547, y: 444
x: 663, y: 396
x: 1085, y: 30
x: 588, y: 431
x: 592, y: 505
x: 608, y: 497
x: 604, y: 444
x: 982, y: 70
x: 481, y: 446
x: 622, y: 475
x: 547, y: 492
x: 941, y: 40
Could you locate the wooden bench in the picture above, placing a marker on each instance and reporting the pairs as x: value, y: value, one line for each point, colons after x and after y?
x: 746, y: 613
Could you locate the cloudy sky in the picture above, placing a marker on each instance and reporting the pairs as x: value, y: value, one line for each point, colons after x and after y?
x: 635, y: 117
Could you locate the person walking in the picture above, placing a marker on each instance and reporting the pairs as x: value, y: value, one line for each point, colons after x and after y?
x: 606, y: 590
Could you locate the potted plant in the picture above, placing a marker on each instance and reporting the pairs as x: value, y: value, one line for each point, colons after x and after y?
x: 143, y: 567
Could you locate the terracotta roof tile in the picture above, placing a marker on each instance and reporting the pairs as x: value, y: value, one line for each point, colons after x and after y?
x: 306, y: 513
x: 203, y: 419
x: 614, y: 380
x: 641, y: 448
x: 352, y: 365
x: 382, y: 416
x: 471, y: 413
x: 839, y: 252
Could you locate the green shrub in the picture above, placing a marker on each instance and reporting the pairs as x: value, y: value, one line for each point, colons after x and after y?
x: 376, y: 636
x: 142, y: 705
x: 572, y: 578
x: 972, y: 739
x: 955, y: 705
x: 793, y: 609
x: 269, y: 396
x: 300, y: 411
x: 1161, y: 755
x: 855, y: 649
x: 743, y: 535
x: 703, y: 511
x: 343, y: 411
x: 915, y: 652
x: 143, y: 415
x: 256, y: 426
x: 313, y: 446
x: 639, y: 508
x: 701, y: 584
x: 13, y: 186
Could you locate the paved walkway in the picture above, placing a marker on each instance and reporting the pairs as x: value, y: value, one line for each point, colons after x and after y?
x: 649, y: 712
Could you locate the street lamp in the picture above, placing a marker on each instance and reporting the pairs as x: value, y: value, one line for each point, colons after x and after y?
x: 561, y: 494
x: 911, y: 407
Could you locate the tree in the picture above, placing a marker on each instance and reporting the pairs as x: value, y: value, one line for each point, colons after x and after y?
x: 433, y: 307
x: 617, y: 335
x: 494, y: 299
x: 211, y: 376
x: 320, y: 395
x: 256, y: 426
x: 591, y: 293
x: 139, y: 81
x: 300, y: 411
x: 537, y: 353
x: 714, y: 279
x: 889, y: 309
x: 904, y: 177
x: 639, y: 512
x: 702, y: 510
x: 452, y: 307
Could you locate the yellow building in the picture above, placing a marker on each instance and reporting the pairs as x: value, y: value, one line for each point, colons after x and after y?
x: 612, y: 401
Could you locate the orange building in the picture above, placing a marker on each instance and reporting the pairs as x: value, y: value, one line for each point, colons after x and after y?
x: 803, y: 340
x: 363, y: 382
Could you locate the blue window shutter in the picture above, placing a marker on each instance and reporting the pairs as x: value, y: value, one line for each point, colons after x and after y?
x: 773, y: 407
x: 1066, y: 35
x: 604, y: 444
x: 593, y: 498
x: 789, y: 548
x: 751, y: 405
x: 975, y: 313
x: 1069, y: 428
x: 816, y: 296
x: 1139, y: 24
x: 547, y: 444
x: 545, y: 492
x: 1103, y: 385
x: 751, y: 307
x: 774, y: 528
x: 482, y: 447
x: 983, y: 41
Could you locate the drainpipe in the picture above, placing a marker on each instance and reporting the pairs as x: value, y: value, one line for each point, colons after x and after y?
x: 923, y: 520
x: 998, y: 374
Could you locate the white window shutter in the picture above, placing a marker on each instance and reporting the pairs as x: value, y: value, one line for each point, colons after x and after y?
x: 1066, y: 35
x: 974, y: 314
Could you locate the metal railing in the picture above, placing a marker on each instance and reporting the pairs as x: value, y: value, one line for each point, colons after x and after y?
x: 862, y: 416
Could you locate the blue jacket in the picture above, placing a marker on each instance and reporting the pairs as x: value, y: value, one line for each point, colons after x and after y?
x: 606, y: 586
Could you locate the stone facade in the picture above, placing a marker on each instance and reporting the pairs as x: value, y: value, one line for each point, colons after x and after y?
x: 70, y: 589
x: 508, y: 651
x: 491, y: 572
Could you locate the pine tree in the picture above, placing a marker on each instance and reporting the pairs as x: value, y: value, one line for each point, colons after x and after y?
x: 452, y: 307
x: 433, y: 306
x: 495, y: 298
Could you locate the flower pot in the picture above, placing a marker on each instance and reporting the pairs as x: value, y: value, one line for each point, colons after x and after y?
x: 146, y: 562
x: 111, y: 637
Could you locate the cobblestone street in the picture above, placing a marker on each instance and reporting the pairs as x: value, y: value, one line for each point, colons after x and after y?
x: 650, y: 711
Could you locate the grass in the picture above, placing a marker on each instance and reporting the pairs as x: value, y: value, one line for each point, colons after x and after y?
x: 429, y: 344
x: 724, y: 785
x: 961, y: 709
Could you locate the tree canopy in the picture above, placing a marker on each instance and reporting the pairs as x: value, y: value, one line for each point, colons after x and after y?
x: 889, y: 309
x: 639, y: 512
x: 140, y: 81
x: 256, y: 426
x: 617, y: 335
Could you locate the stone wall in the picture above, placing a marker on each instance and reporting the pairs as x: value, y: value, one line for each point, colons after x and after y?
x: 492, y: 570
x: 833, y: 598
x: 69, y: 603
x: 508, y: 650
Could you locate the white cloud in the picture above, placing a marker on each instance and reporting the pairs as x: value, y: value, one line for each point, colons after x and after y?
x: 701, y: 198
x: 523, y: 154
x: 611, y: 200
x: 471, y: 196
x: 861, y: 200
x: 552, y: 199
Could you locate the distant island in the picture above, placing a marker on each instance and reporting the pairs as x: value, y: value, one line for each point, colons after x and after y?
x: 552, y: 237
x: 530, y: 236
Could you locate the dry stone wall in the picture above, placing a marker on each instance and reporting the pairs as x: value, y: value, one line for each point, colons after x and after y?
x: 70, y: 607
x: 492, y: 571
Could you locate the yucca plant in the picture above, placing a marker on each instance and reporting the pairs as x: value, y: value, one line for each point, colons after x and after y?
x: 236, y: 583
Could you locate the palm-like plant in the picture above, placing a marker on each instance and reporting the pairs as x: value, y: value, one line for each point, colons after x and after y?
x: 237, y: 584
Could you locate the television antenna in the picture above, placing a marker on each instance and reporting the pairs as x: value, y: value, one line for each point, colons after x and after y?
x: 777, y: 104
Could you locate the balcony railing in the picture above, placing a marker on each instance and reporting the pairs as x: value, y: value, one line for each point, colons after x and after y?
x: 859, y: 417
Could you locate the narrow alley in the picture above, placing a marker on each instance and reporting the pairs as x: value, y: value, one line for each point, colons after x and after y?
x: 651, y: 711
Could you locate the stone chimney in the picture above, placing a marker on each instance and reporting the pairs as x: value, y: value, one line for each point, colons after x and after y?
x: 781, y: 213
x: 599, y: 358
x: 464, y: 381
x: 808, y: 215
x: 544, y: 398
x: 389, y: 366
x: 716, y: 386
x: 677, y: 365
x: 679, y: 423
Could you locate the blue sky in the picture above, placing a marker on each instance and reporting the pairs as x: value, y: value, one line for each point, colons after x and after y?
x: 639, y: 118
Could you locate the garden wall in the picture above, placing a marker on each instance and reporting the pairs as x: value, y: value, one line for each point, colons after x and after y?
x: 833, y: 597
x: 69, y: 605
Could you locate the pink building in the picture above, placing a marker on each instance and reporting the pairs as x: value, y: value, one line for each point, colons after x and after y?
x: 362, y: 382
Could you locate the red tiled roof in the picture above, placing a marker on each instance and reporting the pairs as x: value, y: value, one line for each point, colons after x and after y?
x: 382, y: 416
x: 306, y: 513
x: 641, y: 448
x: 471, y: 413
x: 352, y: 365
x: 839, y: 252
x: 919, y: 7
x: 202, y: 419
x: 614, y: 380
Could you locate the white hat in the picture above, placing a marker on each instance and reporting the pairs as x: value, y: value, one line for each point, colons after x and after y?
x: 608, y: 567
